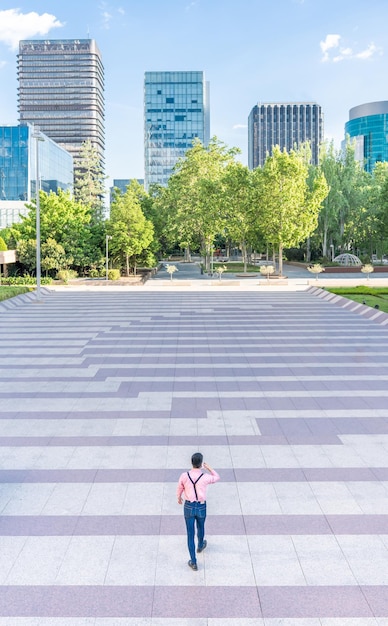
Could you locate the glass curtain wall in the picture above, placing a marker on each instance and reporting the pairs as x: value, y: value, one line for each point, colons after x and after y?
x: 176, y: 111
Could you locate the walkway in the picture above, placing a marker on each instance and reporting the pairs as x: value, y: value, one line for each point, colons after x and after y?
x: 103, y: 398
x: 191, y: 273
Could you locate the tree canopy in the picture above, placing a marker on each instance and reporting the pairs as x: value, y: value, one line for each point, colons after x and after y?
x: 89, y: 180
x: 131, y: 233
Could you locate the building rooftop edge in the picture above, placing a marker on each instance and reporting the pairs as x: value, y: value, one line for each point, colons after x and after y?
x: 367, y: 109
x: 283, y: 103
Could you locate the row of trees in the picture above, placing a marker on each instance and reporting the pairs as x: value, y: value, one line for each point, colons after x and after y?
x: 211, y: 194
x: 74, y: 229
x: 336, y: 206
x: 211, y: 199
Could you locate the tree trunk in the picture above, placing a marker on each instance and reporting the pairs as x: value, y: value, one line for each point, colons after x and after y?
x: 324, y: 242
x: 127, y: 263
x: 308, y: 250
x: 135, y: 267
x: 244, y: 255
x: 280, y: 259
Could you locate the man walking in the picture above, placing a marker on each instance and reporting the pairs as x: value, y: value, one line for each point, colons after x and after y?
x: 193, y: 485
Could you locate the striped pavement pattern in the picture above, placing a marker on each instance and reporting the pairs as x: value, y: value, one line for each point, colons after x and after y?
x: 104, y: 396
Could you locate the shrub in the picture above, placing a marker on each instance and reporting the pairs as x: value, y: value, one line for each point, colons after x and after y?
x: 3, y: 245
x: 114, y: 274
x: 66, y: 275
x: 94, y: 273
x: 25, y: 280
x: 294, y: 254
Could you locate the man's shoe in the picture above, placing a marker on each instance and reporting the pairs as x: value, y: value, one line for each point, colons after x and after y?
x: 193, y: 566
x: 203, y: 546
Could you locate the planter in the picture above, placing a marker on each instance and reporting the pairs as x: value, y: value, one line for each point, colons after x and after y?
x: 9, y: 256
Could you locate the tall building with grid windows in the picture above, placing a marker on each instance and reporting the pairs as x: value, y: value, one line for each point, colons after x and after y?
x: 61, y: 90
x: 368, y: 126
x: 285, y: 125
x: 18, y: 170
x: 176, y: 111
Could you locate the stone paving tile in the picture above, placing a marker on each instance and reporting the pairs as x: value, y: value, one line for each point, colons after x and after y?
x: 103, y: 401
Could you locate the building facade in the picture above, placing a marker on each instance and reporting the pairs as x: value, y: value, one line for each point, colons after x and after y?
x: 368, y: 127
x: 18, y: 169
x: 176, y: 111
x: 61, y: 89
x: 286, y: 125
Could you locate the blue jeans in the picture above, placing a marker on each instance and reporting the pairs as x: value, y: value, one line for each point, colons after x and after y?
x: 194, y: 513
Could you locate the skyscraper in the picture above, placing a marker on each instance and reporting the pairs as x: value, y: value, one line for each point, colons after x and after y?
x: 286, y: 125
x: 368, y: 125
x: 176, y: 111
x: 61, y: 89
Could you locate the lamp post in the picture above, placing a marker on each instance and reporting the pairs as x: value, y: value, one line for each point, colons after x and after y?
x: 107, y: 253
x: 38, y: 137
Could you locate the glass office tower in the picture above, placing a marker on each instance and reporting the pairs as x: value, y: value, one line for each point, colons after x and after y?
x: 18, y: 170
x: 368, y: 125
x: 285, y: 125
x: 176, y: 111
x: 61, y: 89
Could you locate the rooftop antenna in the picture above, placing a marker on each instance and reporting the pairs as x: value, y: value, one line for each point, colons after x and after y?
x: 88, y: 32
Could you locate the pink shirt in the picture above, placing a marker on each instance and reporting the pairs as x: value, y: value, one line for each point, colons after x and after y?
x: 186, y: 487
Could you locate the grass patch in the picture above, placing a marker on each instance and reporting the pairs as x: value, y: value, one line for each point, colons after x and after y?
x: 360, y: 289
x: 11, y: 292
x: 371, y: 296
x: 233, y: 268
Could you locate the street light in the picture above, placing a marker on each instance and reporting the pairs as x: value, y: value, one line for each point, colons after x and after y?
x: 107, y: 253
x: 38, y: 137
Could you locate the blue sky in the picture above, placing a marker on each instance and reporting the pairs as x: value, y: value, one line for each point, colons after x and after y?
x: 333, y: 52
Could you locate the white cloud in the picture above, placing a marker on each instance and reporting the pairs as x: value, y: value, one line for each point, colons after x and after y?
x: 15, y: 25
x: 121, y: 11
x: 106, y: 19
x: 237, y: 126
x: 369, y: 52
x: 3, y: 64
x: 333, y: 42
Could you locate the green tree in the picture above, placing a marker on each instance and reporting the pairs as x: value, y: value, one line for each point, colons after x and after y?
x: 379, y: 200
x: 352, y: 182
x: 53, y: 256
x: 239, y: 207
x: 64, y: 220
x: 193, y: 199
x: 26, y: 251
x: 3, y: 245
x: 330, y: 164
x: 131, y: 232
x: 288, y: 208
x: 89, y: 180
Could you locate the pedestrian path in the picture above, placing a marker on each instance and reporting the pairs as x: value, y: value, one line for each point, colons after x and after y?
x: 105, y: 395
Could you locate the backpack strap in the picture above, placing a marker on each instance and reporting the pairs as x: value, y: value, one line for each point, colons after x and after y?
x: 194, y: 483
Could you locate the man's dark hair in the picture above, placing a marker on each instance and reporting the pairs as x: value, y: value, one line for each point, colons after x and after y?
x: 196, y: 459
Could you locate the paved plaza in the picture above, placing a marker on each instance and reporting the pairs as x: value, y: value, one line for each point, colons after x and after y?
x: 104, y: 396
